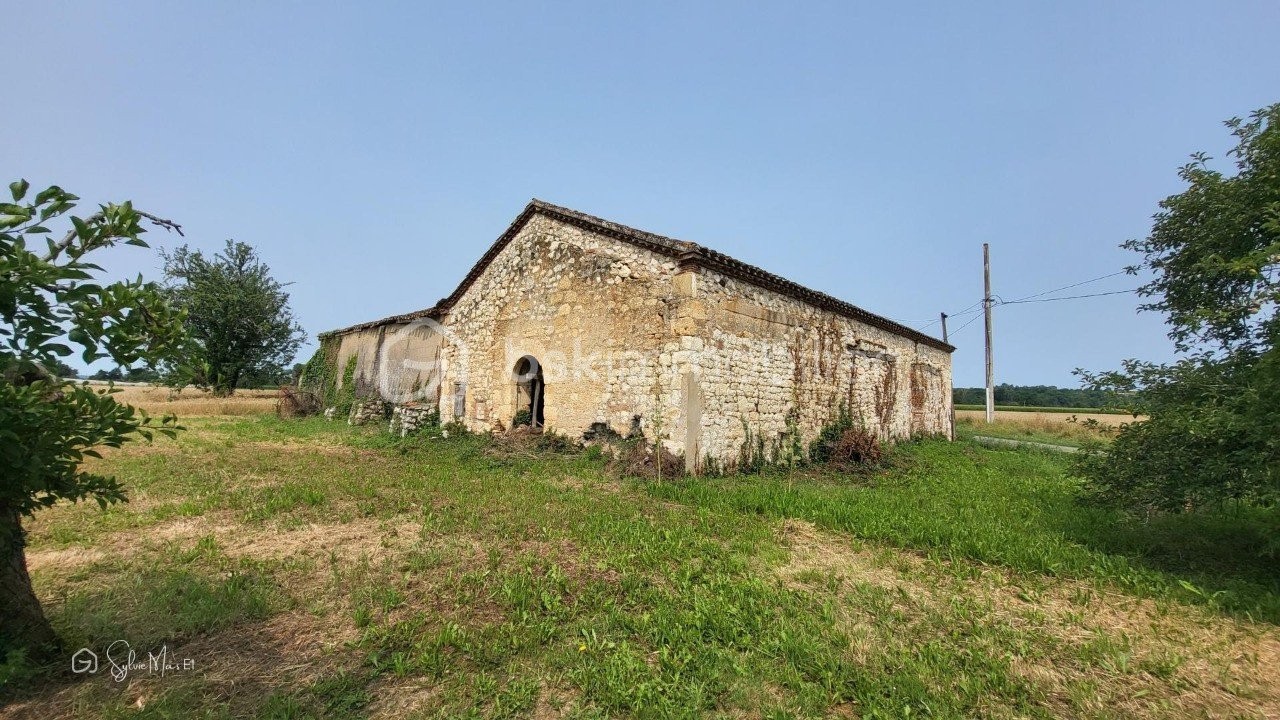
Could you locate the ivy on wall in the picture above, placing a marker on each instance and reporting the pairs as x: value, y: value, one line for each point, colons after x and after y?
x: 320, y: 377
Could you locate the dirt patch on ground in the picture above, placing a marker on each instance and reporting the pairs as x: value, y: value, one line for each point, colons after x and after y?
x: 1142, y: 658
x: 63, y: 559
x: 250, y: 661
x: 345, y: 540
x: 823, y: 557
x: 308, y: 447
x: 395, y: 698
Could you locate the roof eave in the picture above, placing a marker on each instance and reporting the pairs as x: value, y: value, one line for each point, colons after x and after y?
x: 688, y: 254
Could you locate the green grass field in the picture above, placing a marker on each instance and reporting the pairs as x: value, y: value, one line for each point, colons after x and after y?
x: 311, y: 570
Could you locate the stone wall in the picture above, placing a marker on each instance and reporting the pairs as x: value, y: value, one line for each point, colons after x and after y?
x: 411, y: 417
x: 782, y: 366
x: 368, y: 411
x: 594, y: 312
x: 626, y: 336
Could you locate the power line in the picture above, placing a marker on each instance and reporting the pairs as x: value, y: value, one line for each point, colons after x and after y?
x: 937, y: 320
x: 1067, y: 287
x: 1067, y: 297
x: 975, y: 317
x: 976, y: 308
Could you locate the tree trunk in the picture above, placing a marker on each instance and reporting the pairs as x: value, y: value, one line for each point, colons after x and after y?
x: 225, y: 385
x: 22, y: 622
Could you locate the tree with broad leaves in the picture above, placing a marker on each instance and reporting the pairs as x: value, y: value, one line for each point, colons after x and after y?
x: 1212, y: 433
x: 237, y: 313
x: 50, y: 303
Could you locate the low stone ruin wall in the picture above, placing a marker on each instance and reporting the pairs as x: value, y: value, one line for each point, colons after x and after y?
x: 408, y: 419
x: 364, y: 412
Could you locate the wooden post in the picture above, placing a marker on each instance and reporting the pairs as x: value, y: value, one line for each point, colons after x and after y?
x: 986, y: 310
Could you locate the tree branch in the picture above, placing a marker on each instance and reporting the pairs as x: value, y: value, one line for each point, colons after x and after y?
x: 71, y: 234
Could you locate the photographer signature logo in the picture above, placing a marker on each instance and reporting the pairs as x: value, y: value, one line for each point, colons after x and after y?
x: 121, y: 660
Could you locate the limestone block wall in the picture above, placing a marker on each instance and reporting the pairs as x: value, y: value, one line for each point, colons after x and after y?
x: 778, y: 364
x: 629, y: 339
x: 594, y: 312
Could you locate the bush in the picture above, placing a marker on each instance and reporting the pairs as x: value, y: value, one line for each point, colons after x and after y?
x: 641, y: 459
x: 856, y: 448
x: 296, y: 403
x: 523, y: 417
x: 823, y: 447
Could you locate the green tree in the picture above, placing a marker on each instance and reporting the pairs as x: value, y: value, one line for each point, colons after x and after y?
x: 238, y: 314
x: 50, y: 302
x: 110, y: 375
x: 64, y: 370
x: 1213, y: 427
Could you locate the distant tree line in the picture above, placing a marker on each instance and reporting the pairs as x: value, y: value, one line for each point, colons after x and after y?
x: 1033, y: 396
x: 266, y: 377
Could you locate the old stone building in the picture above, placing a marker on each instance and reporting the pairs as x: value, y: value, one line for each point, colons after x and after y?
x: 584, y: 326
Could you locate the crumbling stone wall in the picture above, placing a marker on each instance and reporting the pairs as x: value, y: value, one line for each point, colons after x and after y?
x: 774, y: 367
x: 628, y: 338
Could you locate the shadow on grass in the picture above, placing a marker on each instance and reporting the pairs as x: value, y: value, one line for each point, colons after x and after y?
x: 1016, y: 508
x: 1223, y: 554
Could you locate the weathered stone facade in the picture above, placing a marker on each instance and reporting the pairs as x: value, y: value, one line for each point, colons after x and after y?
x: 631, y: 330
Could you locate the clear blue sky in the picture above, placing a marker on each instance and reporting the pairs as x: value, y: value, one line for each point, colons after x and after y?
x: 371, y: 152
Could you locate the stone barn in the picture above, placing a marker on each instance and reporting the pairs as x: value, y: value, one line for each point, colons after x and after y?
x: 586, y: 327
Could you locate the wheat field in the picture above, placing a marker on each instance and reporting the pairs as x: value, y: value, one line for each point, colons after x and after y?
x: 192, y: 402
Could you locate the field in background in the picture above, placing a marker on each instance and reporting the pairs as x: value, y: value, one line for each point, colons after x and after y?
x: 191, y: 402
x: 1031, y: 409
x: 314, y: 570
x: 1046, y: 419
x: 1049, y: 428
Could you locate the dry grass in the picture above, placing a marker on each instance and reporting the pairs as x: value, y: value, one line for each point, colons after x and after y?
x: 191, y: 402
x: 1046, y: 427
x: 1043, y: 419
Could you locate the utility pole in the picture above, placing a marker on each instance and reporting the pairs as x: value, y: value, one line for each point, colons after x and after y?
x: 952, y: 432
x: 986, y: 310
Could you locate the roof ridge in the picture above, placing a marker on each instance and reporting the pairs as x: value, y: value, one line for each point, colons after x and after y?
x: 688, y: 254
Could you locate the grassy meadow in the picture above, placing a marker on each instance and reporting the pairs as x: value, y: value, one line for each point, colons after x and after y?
x: 313, y: 570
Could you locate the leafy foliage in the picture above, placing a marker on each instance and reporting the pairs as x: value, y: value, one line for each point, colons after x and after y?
x: 238, y: 314
x: 320, y: 377
x: 1213, y: 432
x: 823, y: 447
x: 50, y: 302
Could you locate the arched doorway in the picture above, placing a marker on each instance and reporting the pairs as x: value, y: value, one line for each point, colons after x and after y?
x: 529, y: 391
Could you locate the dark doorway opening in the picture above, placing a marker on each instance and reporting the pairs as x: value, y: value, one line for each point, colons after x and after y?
x: 530, y: 391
